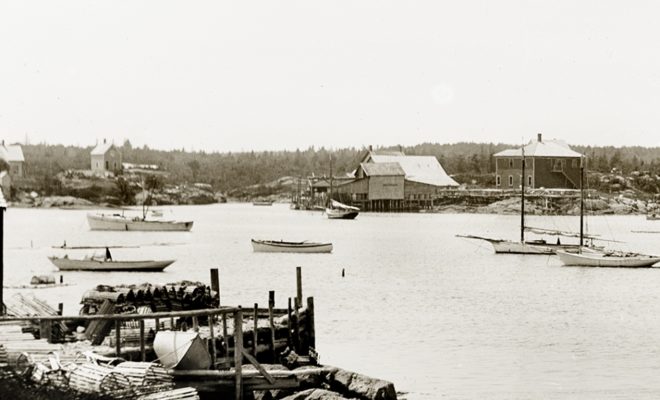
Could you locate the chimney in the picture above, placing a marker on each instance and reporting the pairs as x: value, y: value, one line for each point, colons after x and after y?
x: 370, y: 148
x: 539, y: 137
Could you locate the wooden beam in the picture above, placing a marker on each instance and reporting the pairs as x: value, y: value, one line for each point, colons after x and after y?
x: 271, y: 321
x: 299, y: 293
x: 259, y: 367
x: 127, y: 317
x: 238, y: 353
x: 143, y: 353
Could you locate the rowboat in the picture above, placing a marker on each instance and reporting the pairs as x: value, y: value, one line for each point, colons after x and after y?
x: 272, y: 246
x: 101, y: 264
x: 262, y: 203
x: 607, y: 259
x: 118, y: 222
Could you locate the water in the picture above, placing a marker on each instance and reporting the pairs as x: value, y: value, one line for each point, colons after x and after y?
x: 440, y: 316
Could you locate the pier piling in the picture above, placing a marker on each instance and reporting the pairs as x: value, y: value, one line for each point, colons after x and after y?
x: 271, y: 322
x: 255, y: 315
x: 238, y: 352
x: 299, y: 292
x: 215, y: 283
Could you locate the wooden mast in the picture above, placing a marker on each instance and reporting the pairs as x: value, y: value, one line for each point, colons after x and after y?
x: 330, y: 195
x: 581, y: 200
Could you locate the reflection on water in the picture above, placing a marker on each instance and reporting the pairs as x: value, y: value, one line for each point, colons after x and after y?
x: 435, y: 314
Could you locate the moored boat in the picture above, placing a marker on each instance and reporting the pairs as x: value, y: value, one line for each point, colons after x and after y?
x: 101, y: 264
x: 280, y: 246
x: 262, y: 203
x: 607, y: 259
x: 337, y: 210
x: 118, y: 222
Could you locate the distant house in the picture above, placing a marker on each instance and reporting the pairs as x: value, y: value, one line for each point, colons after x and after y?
x: 550, y: 164
x: 392, y: 181
x: 5, y: 185
x: 13, y: 154
x: 105, y: 157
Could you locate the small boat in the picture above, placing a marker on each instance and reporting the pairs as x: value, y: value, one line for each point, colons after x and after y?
x: 272, y: 246
x: 118, y: 222
x: 101, y: 264
x: 262, y: 203
x: 337, y: 210
x: 181, y: 350
x: 607, y: 259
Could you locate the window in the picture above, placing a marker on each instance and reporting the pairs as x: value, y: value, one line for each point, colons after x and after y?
x: 529, y: 180
x: 510, y: 162
x: 558, y: 166
x: 498, y: 180
x: 510, y: 180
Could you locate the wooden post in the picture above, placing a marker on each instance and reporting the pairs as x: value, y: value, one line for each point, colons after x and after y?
x: 299, y: 293
x: 118, y: 337
x: 143, y: 353
x: 46, y: 330
x: 3, y: 207
x: 255, y: 334
x: 311, y: 330
x: 296, y: 327
x: 195, y: 323
x: 225, y: 338
x: 60, y: 309
x: 157, y: 324
x: 172, y: 327
x: 212, y: 338
x: 215, y: 282
x: 289, y: 325
x: 238, y: 352
x: 271, y: 321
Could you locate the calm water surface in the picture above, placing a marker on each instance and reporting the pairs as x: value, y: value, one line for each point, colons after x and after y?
x: 440, y: 316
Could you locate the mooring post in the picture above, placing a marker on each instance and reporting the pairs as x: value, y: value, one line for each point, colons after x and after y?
x: 118, y: 338
x: 143, y: 353
x: 215, y: 283
x: 238, y: 352
x: 299, y: 293
x: 61, y: 279
x: 60, y: 309
x: 271, y: 321
x: 255, y: 335
x: 296, y: 327
x: 289, y: 325
x: 310, y: 322
x: 212, y: 338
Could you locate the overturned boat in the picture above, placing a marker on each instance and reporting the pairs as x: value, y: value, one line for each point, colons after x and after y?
x: 118, y: 222
x: 102, y: 264
x: 280, y: 246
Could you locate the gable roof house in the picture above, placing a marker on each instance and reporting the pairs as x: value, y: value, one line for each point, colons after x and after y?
x: 548, y: 164
x: 105, y: 158
x: 13, y: 155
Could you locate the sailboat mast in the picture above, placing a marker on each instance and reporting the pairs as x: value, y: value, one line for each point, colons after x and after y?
x: 330, y: 198
x: 581, y: 200
x: 522, y: 198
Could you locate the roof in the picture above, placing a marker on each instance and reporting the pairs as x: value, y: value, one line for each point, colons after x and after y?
x: 382, y: 169
x: 12, y: 152
x: 101, y: 148
x: 545, y: 148
x: 421, y: 169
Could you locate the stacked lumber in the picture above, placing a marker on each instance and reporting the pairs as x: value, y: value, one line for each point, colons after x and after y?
x: 29, y: 306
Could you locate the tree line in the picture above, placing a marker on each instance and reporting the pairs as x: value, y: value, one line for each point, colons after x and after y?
x: 233, y: 170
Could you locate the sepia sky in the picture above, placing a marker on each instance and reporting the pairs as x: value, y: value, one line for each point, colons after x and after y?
x: 242, y: 75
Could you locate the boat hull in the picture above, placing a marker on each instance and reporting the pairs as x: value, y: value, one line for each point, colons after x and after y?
x: 265, y: 246
x: 509, y: 247
x: 604, y: 260
x: 341, y: 214
x: 67, y: 264
x: 119, y: 223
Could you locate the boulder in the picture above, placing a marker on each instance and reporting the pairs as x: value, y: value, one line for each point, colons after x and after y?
x: 362, y: 386
x: 316, y: 394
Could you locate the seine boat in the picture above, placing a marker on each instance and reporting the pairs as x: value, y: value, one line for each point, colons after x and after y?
x: 607, y: 259
x: 101, y: 264
x: 181, y: 350
x: 337, y: 210
x: 118, y: 222
x: 280, y: 246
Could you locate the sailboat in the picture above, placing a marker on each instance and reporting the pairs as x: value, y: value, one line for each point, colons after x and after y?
x: 538, y: 247
x: 337, y: 210
x: 588, y: 257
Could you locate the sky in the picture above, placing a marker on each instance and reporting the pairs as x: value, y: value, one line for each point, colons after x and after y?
x: 270, y: 75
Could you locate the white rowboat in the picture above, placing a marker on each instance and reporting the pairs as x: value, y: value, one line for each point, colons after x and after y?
x: 69, y: 264
x: 603, y: 259
x: 272, y: 246
x: 117, y: 222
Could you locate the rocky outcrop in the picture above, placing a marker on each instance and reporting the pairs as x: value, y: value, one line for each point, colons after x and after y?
x: 361, y: 386
x: 316, y: 394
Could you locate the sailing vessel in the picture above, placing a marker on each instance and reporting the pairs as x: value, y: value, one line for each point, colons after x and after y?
x: 588, y: 257
x: 337, y: 210
x: 280, y: 246
x: 102, y: 264
x: 535, y: 247
x: 119, y: 222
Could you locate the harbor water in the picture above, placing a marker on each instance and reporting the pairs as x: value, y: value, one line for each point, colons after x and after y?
x: 440, y: 316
